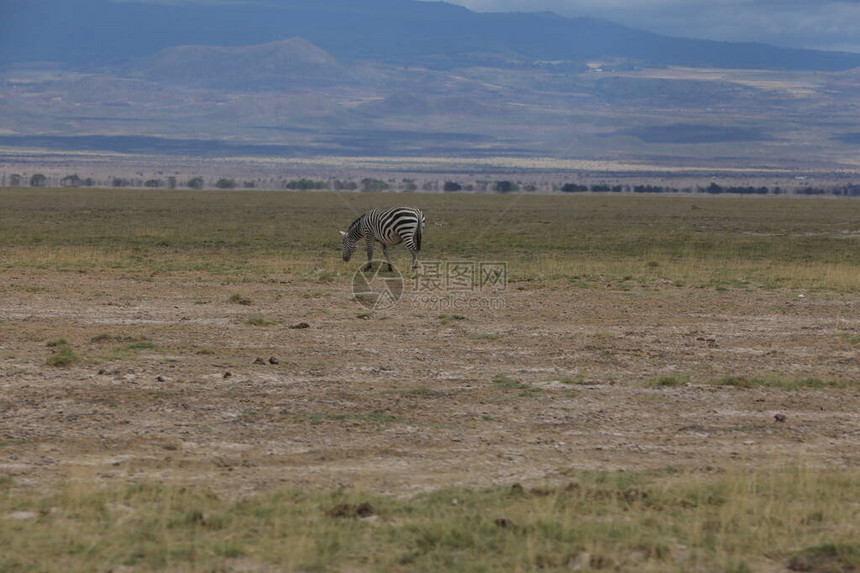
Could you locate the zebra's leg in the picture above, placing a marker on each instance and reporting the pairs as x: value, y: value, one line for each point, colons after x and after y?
x: 369, y: 240
x: 387, y: 258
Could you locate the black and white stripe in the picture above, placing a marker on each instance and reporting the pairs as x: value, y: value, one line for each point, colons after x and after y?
x: 388, y: 227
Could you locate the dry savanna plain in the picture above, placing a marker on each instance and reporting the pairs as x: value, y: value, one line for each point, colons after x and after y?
x: 187, y: 383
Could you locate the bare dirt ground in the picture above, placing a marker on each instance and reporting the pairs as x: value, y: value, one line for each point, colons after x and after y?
x: 170, y: 386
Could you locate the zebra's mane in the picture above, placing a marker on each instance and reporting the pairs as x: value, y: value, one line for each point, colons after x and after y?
x: 355, y: 224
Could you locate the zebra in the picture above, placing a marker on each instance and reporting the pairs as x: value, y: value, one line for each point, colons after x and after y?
x: 389, y: 227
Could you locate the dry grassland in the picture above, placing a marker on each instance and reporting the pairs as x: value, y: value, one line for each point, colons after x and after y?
x: 661, y: 384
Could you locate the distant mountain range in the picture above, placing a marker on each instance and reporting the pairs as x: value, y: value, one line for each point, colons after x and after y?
x: 87, y: 33
x: 402, y: 78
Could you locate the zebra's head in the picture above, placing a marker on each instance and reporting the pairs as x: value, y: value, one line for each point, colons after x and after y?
x: 348, y: 246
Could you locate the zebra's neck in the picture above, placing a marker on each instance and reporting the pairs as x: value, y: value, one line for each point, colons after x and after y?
x: 356, y: 230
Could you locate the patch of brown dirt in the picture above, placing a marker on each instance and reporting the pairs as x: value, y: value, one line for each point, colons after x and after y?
x: 170, y: 388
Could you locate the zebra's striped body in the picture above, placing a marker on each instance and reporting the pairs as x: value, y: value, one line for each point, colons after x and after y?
x: 388, y: 227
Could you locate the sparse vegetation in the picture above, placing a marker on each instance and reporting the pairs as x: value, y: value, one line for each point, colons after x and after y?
x: 505, y: 382
x: 370, y: 417
x: 665, y: 382
x: 447, y: 318
x: 258, y: 321
x: 783, y: 382
x: 485, y: 336
x: 63, y: 355
x: 576, y: 380
x: 237, y: 298
x: 659, y: 521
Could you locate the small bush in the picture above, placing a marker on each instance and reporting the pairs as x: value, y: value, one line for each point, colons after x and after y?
x: 195, y: 183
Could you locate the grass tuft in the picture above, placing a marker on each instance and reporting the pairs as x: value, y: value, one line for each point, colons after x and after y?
x: 485, y: 337
x: 240, y: 299
x: 665, y: 382
x: 448, y: 318
x: 63, y: 356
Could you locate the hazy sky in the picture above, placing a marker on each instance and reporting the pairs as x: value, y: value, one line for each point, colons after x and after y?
x: 821, y: 24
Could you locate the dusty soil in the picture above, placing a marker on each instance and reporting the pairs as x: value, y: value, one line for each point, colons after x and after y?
x: 170, y: 386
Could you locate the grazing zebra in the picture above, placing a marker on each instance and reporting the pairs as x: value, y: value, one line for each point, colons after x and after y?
x: 389, y: 227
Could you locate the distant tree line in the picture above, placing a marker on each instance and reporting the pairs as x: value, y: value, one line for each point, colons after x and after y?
x: 848, y: 190
x: 372, y: 184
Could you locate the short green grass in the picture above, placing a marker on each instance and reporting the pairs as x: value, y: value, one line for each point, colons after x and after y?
x: 125, y: 348
x: 573, y: 380
x: 723, y: 242
x: 662, y: 521
x: 485, y: 336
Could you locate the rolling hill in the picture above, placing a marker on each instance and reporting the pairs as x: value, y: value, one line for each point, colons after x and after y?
x: 90, y: 32
x: 273, y: 65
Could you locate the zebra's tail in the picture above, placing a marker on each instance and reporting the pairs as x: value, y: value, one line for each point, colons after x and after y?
x: 418, y: 229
